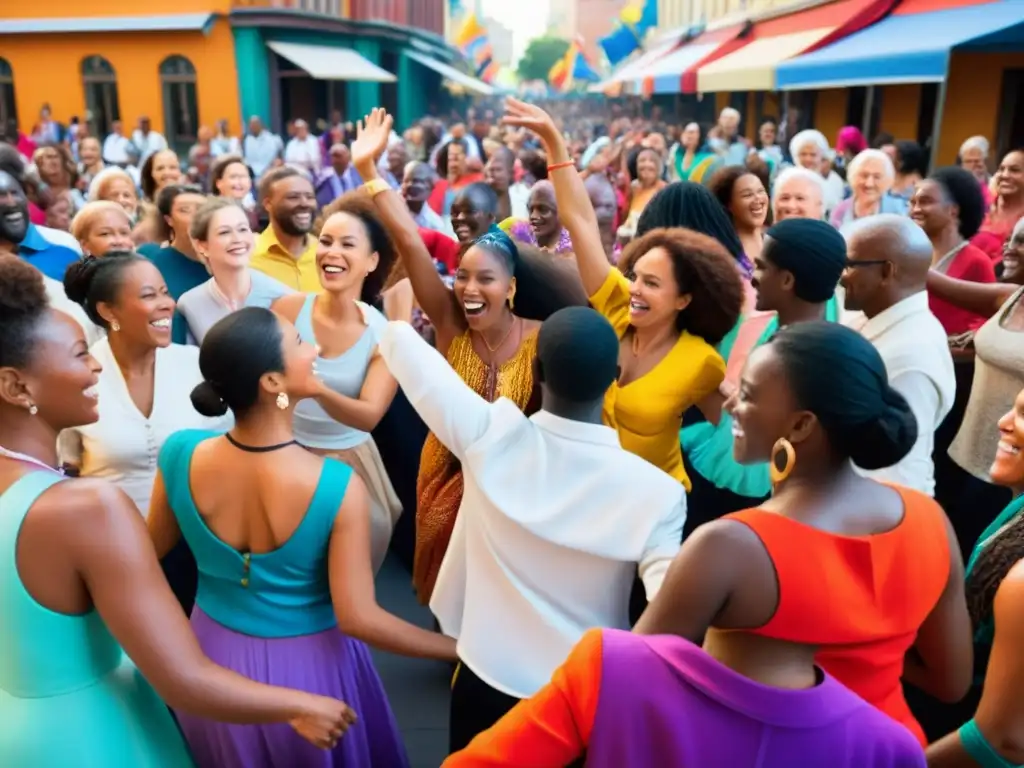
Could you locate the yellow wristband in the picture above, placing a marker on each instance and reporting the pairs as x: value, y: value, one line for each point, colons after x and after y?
x: 375, y: 186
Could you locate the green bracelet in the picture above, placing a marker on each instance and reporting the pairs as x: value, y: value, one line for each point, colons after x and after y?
x: 980, y: 750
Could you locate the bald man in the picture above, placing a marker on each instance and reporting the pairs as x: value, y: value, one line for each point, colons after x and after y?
x: 798, y: 194
x: 888, y: 258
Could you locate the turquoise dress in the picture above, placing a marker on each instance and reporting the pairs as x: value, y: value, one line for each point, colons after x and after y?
x: 708, y: 447
x: 68, y: 694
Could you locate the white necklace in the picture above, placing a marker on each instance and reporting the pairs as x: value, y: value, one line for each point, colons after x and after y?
x: 28, y: 460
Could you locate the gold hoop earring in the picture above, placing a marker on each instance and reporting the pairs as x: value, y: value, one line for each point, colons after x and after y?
x: 282, y: 401
x: 776, y: 473
x: 512, y: 301
x: 115, y: 326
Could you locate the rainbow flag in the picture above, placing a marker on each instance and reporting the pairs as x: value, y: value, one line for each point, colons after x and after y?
x: 475, y: 45
x: 572, y: 68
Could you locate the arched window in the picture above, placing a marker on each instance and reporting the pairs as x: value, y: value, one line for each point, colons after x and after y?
x: 100, y: 83
x: 8, y: 109
x: 181, y: 111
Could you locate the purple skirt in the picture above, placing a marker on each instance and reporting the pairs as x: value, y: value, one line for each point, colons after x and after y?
x: 327, y: 663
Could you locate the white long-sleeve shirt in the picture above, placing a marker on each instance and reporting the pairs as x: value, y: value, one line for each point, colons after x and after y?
x: 555, y: 517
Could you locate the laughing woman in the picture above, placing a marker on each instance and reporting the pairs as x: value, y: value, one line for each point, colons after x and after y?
x: 490, y: 346
x: 353, y: 257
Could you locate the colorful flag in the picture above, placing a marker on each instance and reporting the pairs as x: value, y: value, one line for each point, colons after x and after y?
x: 473, y: 42
x: 635, y: 20
x: 571, y: 68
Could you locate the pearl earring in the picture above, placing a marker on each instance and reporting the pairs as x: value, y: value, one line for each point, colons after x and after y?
x: 282, y: 401
x: 32, y: 409
x: 115, y: 326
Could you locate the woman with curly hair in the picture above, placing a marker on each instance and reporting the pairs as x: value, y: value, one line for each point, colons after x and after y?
x: 674, y: 296
x: 741, y: 192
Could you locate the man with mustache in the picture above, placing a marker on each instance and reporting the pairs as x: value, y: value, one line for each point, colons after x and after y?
x: 21, y: 236
x: 284, y: 250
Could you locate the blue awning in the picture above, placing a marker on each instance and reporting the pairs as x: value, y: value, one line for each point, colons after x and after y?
x: 184, y: 22
x: 907, y: 47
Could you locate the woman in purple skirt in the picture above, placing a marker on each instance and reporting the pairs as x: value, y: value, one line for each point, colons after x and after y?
x: 281, y: 537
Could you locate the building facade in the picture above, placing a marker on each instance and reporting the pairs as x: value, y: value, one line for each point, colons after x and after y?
x: 188, y: 63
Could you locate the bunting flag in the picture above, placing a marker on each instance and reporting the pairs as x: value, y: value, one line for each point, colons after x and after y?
x: 572, y: 68
x: 635, y: 20
x: 475, y: 45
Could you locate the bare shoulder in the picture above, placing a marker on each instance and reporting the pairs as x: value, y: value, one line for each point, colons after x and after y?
x: 531, y: 327
x: 1010, y: 595
x: 88, y: 506
x: 288, y: 306
x: 725, y: 536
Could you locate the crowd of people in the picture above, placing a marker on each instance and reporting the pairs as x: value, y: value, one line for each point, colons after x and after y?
x: 684, y: 439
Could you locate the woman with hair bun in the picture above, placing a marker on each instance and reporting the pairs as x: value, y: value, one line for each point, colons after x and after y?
x: 869, y: 574
x: 280, y: 537
x: 81, y: 593
x: 143, y: 389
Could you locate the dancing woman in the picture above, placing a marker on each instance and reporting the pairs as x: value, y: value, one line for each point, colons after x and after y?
x: 79, y: 582
x: 486, y: 327
x: 282, y: 541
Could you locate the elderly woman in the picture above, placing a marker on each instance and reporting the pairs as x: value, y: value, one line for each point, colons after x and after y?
x: 809, y: 149
x: 871, y: 174
x: 101, y: 227
x: 115, y: 185
x: 973, y: 157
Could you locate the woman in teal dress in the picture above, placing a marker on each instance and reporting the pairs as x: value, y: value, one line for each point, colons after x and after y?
x: 794, y: 279
x: 690, y: 160
x: 79, y: 581
x: 995, y: 590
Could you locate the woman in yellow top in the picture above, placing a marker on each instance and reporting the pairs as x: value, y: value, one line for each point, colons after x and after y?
x: 491, y: 347
x: 675, y: 295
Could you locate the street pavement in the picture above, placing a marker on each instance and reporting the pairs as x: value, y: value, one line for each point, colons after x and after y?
x: 418, y: 689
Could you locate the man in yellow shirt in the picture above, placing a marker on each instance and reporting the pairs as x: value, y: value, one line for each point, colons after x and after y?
x: 285, y: 251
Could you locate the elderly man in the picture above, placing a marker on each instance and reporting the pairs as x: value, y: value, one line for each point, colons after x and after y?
x: 887, y: 264
x: 339, y: 178
x: 799, y: 194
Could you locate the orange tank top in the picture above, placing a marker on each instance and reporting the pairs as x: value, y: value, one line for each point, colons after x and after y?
x: 860, y: 599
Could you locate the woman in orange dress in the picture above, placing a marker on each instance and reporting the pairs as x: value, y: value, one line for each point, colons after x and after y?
x: 869, y: 574
x: 491, y: 346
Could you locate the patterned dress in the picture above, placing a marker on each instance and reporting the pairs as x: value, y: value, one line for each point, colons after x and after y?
x: 439, y: 485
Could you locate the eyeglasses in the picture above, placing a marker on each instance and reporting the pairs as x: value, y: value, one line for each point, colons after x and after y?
x: 864, y: 263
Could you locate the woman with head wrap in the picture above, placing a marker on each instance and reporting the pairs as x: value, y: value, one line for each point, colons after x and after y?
x: 486, y: 326
x: 795, y: 278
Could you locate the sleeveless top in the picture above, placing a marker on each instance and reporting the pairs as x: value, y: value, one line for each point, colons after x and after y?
x: 860, y: 599
x: 345, y: 374
x: 68, y: 673
x: 282, y: 593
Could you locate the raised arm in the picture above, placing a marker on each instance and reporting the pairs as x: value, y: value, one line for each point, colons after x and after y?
x: 104, y: 538
x: 997, y: 730
x: 352, y: 590
x: 437, y: 302
x: 982, y: 298
x: 454, y: 412
x: 366, y: 411
x: 574, y: 208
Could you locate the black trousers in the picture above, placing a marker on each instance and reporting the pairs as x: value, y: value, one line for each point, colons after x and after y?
x: 475, y: 707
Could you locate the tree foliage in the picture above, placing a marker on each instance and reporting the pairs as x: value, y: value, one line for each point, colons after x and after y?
x: 540, y: 56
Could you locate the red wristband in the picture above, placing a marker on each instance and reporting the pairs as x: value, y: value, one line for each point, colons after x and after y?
x: 566, y: 164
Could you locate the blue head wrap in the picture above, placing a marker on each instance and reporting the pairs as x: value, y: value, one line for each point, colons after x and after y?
x: 496, y: 241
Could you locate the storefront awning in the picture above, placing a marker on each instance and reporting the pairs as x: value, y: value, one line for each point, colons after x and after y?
x: 771, y: 42
x: 452, y: 74
x: 912, y: 45
x: 630, y: 74
x: 183, y: 22
x: 666, y: 75
x: 326, y: 63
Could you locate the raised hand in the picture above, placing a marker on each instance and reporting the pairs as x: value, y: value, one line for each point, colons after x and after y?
x: 324, y: 721
x: 372, y: 136
x: 522, y: 115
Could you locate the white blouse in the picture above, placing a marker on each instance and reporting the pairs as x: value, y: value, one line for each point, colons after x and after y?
x: 123, y: 445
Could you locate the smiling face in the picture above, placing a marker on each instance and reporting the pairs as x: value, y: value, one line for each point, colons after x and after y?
x: 870, y: 182
x: 143, y: 308
x: 229, y: 242
x: 749, y: 202
x: 773, y: 285
x: 798, y: 198
x: 1013, y: 257
x: 809, y: 156
x: 930, y: 207
x: 13, y: 210
x: 292, y: 205
x: 1008, y: 467
x: 1010, y: 176
x: 654, y: 294
x: 690, y: 137
x: 543, y: 211
x: 61, y: 376
x: 108, y: 231
x: 344, y: 253
x: 648, y: 169
x: 483, y: 286
x: 235, y: 183
x: 973, y: 160
x: 762, y: 407
x: 417, y: 183
x: 122, y: 192
x: 89, y: 151
x: 300, y: 381
x: 470, y: 217
x: 166, y: 169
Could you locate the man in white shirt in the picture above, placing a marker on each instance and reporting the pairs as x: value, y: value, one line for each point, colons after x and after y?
x: 555, y: 515
x: 887, y: 264
x: 146, y: 141
x: 303, y: 150
x: 117, y: 148
x: 261, y: 148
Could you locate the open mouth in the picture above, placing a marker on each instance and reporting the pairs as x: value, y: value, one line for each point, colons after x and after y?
x: 333, y: 270
x: 163, y: 324
x: 638, y: 307
x: 92, y: 392
x: 1008, y: 448
x: 242, y: 250
x: 737, y: 431
x: 303, y: 219
x: 462, y: 231
x: 17, y: 217
x: 474, y: 308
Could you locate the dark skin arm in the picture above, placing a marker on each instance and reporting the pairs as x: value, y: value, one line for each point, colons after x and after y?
x: 96, y: 532
x: 981, y: 298
x: 1000, y: 715
x: 942, y: 658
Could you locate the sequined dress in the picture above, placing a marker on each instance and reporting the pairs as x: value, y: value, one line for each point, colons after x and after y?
x: 439, y: 485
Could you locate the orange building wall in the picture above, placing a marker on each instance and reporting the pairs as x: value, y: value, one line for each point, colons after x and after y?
x: 973, y: 96
x: 76, y: 9
x: 47, y: 68
x: 899, y: 110
x: 830, y: 112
